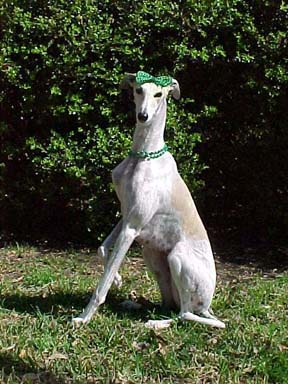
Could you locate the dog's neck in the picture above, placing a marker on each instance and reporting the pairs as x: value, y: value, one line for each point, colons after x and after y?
x: 150, y: 138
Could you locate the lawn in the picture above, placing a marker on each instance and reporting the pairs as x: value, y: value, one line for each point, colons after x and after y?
x: 40, y: 291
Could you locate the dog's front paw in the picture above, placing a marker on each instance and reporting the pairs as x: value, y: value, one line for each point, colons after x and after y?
x: 158, y: 324
x: 78, y: 321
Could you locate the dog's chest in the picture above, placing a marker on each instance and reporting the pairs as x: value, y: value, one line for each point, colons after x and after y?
x: 136, y: 178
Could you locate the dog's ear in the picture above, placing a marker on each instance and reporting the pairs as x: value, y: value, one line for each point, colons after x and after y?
x: 128, y: 81
x: 175, y: 89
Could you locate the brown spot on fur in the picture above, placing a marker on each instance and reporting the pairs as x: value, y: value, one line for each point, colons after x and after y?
x: 182, y: 202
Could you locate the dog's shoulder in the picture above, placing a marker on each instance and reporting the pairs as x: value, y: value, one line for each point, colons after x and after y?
x: 125, y: 168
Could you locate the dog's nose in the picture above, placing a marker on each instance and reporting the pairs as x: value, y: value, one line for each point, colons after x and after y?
x: 142, y: 116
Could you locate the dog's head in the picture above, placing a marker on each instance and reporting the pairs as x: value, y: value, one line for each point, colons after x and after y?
x: 149, y: 95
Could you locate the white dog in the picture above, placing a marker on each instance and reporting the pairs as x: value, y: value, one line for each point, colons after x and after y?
x: 159, y: 213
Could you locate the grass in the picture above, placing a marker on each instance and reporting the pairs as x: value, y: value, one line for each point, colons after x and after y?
x: 41, y: 290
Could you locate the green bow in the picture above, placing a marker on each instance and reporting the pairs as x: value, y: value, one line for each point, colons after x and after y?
x: 144, y: 77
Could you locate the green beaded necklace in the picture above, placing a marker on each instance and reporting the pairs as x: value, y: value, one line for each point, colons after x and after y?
x: 149, y: 155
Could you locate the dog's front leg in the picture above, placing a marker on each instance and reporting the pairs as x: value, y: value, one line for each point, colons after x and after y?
x: 103, y: 250
x: 123, y: 243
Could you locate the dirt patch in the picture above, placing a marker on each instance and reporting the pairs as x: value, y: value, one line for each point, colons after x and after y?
x: 234, y: 263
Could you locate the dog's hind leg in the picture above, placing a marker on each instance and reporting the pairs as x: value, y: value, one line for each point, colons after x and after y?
x: 195, y: 282
x: 193, y: 273
x: 157, y: 263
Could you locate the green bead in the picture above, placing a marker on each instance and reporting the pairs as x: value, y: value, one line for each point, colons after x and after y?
x: 149, y: 155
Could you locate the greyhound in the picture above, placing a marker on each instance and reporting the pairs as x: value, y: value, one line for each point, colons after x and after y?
x: 159, y: 213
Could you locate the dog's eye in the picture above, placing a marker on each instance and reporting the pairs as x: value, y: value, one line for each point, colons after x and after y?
x: 139, y: 91
x: 158, y: 94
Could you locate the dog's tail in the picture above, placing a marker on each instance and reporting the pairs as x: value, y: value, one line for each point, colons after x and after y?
x: 207, y: 319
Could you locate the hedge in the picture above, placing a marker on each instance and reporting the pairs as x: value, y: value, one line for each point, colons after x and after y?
x: 65, y: 124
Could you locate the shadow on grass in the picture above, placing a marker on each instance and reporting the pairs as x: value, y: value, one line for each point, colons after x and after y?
x: 52, y: 304
x: 71, y: 304
x: 264, y: 259
x: 15, y: 368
